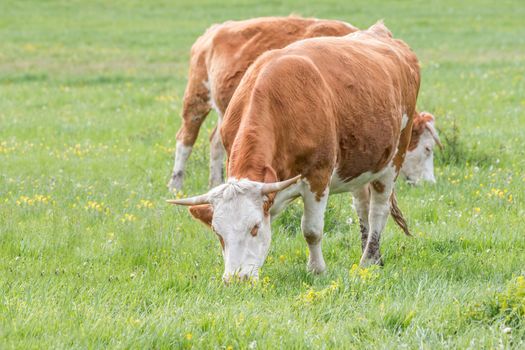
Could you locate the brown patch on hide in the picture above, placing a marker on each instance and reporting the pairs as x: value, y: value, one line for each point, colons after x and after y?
x: 378, y: 186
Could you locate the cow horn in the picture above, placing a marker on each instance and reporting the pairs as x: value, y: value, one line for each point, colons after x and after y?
x: 434, y: 134
x: 268, y: 188
x: 202, y: 199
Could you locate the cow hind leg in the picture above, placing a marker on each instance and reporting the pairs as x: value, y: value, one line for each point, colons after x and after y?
x: 216, y: 157
x: 312, y: 224
x: 380, y: 191
x: 362, y: 207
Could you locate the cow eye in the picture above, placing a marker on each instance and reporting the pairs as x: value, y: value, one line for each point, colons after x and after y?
x: 254, y: 230
x: 428, y: 150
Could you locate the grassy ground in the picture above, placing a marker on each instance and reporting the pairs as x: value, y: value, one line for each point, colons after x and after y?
x: 90, y: 255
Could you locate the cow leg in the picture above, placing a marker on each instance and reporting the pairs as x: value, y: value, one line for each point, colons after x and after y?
x: 312, y: 224
x: 285, y: 197
x: 380, y: 191
x: 182, y: 153
x: 216, y: 157
x: 362, y: 207
x: 186, y: 137
x: 196, y: 106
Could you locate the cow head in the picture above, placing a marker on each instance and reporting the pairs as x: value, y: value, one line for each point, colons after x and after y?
x: 237, y: 212
x: 419, y: 160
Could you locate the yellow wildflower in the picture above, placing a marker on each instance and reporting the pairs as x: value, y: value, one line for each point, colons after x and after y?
x: 334, y: 285
x: 144, y: 203
x: 311, y: 295
x: 128, y: 218
x: 97, y: 207
x: 364, y: 274
x: 37, y: 199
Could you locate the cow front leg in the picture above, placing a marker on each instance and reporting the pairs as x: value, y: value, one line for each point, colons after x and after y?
x: 216, y: 157
x: 182, y: 153
x: 186, y: 137
x: 362, y: 207
x: 312, y: 224
x: 380, y: 191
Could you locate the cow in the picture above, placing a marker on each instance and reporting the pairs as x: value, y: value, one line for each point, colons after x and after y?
x: 330, y: 115
x: 218, y: 61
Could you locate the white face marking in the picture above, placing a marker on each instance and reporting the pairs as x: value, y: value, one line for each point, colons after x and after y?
x: 419, y: 163
x: 237, y: 209
x: 404, y: 121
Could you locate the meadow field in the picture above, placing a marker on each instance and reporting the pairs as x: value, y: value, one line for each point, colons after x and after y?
x: 91, y: 256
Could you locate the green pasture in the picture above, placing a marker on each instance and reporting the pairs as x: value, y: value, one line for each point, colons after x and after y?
x: 92, y: 257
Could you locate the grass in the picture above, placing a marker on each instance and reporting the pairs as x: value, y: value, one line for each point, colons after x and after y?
x: 91, y: 257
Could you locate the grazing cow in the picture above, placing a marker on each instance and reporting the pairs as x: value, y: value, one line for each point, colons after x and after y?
x: 331, y: 114
x: 419, y: 161
x: 219, y: 59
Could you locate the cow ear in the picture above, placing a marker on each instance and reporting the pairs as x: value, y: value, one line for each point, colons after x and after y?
x: 427, y: 117
x: 203, y: 212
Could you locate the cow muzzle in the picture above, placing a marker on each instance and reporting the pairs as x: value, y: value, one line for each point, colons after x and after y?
x: 248, y: 273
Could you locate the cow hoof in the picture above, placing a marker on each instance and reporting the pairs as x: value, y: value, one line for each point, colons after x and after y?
x: 370, y: 261
x: 316, y: 268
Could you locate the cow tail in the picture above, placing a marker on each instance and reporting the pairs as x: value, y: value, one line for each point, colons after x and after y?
x: 397, y: 215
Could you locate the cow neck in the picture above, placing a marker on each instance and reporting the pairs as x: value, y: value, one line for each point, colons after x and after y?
x: 252, y: 154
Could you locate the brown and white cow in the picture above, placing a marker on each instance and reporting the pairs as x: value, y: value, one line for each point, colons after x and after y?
x: 331, y: 114
x: 219, y: 59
